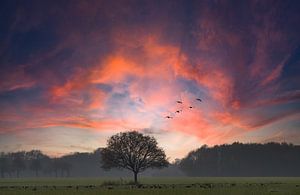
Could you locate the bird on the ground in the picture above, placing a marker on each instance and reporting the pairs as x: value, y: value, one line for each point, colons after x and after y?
x: 191, y: 107
x: 169, y: 117
x: 178, y: 111
x: 179, y: 102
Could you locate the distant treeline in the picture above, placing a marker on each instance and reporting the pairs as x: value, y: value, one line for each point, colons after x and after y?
x: 237, y: 159
x: 36, y: 164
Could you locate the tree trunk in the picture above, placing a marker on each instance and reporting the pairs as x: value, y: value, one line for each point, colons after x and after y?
x: 135, y: 177
x: 36, y: 172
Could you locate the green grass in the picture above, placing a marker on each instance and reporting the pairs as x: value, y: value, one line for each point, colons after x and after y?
x: 153, y: 186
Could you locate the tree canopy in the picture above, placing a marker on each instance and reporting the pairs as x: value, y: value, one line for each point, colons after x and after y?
x: 237, y: 159
x: 133, y: 151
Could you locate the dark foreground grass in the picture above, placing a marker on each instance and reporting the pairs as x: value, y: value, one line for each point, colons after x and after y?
x: 152, y: 186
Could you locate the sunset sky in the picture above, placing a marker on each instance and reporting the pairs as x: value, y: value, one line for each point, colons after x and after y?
x: 74, y: 73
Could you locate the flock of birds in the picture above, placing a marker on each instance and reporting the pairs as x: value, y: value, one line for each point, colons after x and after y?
x: 179, y: 111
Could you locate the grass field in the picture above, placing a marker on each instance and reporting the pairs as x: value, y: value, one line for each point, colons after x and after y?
x: 153, y: 186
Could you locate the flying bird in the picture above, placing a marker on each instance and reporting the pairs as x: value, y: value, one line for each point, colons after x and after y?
x: 179, y: 102
x: 198, y: 99
x: 169, y: 117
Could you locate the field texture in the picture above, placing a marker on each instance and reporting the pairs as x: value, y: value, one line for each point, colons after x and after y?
x: 152, y: 186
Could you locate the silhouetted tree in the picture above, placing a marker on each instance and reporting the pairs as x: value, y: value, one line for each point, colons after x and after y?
x: 65, y: 167
x: 18, y: 162
x: 35, y: 157
x: 59, y: 164
x: 133, y: 151
x: 36, y: 166
x: 55, y: 166
x: 237, y: 159
x: 4, y: 166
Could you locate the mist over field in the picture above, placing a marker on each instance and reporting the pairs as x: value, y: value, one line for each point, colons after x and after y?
x: 237, y: 159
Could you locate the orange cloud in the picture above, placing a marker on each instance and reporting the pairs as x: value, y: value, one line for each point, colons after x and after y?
x: 152, y: 79
x: 150, y: 69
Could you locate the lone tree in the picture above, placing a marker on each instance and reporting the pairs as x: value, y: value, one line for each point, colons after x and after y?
x: 133, y: 151
x: 35, y: 157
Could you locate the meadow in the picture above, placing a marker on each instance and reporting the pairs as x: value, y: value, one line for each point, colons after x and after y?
x: 153, y: 186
